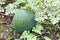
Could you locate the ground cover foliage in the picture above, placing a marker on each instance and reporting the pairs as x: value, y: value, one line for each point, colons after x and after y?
x: 47, y: 16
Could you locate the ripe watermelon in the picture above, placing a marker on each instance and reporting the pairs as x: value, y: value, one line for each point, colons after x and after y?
x: 23, y: 20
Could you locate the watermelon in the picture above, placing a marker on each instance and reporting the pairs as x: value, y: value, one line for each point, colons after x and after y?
x: 23, y: 20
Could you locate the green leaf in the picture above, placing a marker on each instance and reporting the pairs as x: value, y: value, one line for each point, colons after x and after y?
x: 28, y: 35
x: 1, y: 9
x: 46, y: 38
x: 38, y: 28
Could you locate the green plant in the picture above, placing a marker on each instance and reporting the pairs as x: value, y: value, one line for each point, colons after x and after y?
x: 47, y: 15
